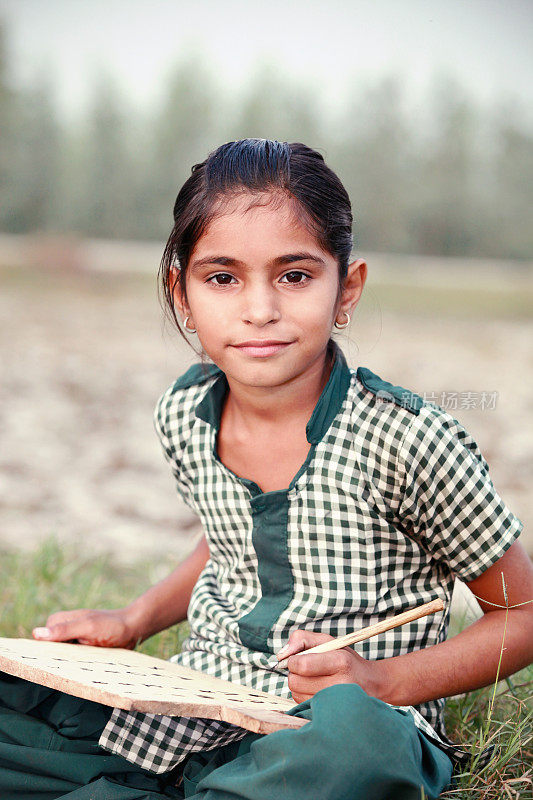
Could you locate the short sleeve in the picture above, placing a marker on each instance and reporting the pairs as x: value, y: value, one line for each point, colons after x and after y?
x: 448, y: 500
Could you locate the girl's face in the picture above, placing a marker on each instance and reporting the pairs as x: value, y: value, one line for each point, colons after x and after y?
x: 262, y: 294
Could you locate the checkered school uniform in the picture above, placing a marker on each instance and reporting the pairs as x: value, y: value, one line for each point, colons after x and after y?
x: 393, y: 501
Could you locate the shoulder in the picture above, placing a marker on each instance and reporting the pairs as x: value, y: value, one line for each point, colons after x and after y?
x: 395, y: 423
x: 438, y: 440
x: 392, y: 406
x: 376, y: 418
x: 385, y: 392
x: 175, y: 407
x: 380, y: 415
x: 400, y: 437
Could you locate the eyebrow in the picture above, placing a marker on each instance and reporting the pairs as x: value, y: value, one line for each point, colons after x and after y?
x: 227, y: 261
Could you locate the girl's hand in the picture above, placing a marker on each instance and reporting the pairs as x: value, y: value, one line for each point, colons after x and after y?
x: 114, y: 628
x: 308, y: 674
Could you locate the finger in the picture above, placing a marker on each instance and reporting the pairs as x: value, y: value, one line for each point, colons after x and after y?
x: 59, y: 618
x: 41, y: 633
x: 66, y: 616
x: 300, y: 698
x: 316, y: 664
x: 305, y: 687
x: 302, y: 640
x: 65, y: 631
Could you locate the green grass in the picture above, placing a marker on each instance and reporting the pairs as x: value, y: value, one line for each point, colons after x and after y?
x: 54, y: 578
x: 509, y: 774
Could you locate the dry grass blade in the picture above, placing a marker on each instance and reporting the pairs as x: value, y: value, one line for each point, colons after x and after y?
x: 508, y: 726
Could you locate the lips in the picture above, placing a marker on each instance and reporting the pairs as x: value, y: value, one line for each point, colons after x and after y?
x: 260, y: 343
x: 261, y: 348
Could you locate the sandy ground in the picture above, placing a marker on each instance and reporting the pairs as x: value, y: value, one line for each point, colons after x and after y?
x: 84, y: 358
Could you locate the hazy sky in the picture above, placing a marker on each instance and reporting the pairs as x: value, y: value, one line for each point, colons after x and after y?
x: 484, y: 44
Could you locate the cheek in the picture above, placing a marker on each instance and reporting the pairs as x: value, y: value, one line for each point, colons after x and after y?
x: 316, y: 309
x: 212, y: 320
x: 205, y: 307
x: 210, y: 325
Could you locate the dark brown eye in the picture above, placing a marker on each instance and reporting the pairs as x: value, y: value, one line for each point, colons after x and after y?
x: 221, y: 279
x: 295, y: 276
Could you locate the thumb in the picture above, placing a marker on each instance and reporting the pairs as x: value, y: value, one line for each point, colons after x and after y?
x: 41, y: 633
x: 61, y: 631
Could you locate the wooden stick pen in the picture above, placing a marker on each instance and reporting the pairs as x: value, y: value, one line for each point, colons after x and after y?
x: 371, y: 630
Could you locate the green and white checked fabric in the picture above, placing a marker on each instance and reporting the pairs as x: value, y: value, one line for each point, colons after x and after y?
x: 393, y: 502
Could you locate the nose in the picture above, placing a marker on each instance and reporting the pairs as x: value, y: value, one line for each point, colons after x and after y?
x: 260, y: 304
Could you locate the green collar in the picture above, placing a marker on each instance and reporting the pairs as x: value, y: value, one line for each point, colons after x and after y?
x: 325, y: 411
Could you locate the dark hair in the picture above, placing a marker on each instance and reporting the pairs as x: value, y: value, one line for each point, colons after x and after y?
x: 284, y: 171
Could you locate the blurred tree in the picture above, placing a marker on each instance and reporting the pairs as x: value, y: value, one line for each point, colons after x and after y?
x: 29, y: 153
x: 182, y: 134
x: 441, y: 208
x: 274, y: 106
x: 513, y: 171
x: 450, y: 179
x: 11, y: 124
x: 374, y: 157
x: 102, y: 192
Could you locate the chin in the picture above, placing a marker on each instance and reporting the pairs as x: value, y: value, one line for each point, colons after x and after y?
x: 266, y: 377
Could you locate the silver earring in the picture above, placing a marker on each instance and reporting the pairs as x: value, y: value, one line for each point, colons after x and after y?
x: 189, y: 330
x: 344, y: 324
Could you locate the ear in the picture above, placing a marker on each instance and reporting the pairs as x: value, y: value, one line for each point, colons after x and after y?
x: 180, y: 301
x: 353, y: 285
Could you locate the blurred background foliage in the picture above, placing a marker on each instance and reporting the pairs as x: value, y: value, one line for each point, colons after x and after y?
x: 456, y: 179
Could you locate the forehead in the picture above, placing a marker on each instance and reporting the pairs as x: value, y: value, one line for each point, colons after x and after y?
x: 266, y: 220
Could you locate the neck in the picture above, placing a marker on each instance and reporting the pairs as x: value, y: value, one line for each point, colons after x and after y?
x: 253, y: 406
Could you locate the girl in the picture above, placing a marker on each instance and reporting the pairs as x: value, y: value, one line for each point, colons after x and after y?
x: 330, y: 499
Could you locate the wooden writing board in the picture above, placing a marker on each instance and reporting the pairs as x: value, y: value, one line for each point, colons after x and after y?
x: 136, y: 682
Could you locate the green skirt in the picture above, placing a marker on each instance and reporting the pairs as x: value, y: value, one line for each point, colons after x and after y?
x: 354, y: 748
